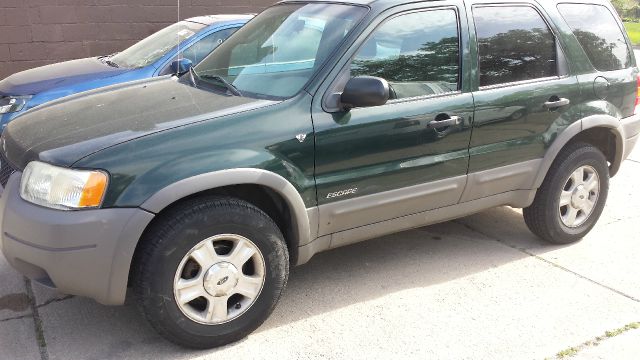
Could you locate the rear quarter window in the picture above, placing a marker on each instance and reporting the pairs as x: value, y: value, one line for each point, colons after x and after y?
x: 598, y: 32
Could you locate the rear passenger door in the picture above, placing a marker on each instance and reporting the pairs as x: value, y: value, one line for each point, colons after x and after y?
x: 382, y: 162
x: 524, y: 94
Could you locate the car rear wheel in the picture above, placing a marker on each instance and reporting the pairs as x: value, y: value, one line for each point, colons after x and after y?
x: 210, y: 271
x: 572, y: 196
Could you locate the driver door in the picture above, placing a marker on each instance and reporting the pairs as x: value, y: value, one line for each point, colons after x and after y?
x: 383, y: 162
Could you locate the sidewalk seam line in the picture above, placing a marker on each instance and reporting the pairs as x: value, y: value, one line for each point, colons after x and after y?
x: 549, y: 262
x: 37, y: 321
x: 16, y: 318
x: 51, y: 301
x: 595, y: 341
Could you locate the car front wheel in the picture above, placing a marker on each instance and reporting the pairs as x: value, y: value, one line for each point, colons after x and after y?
x: 210, y: 271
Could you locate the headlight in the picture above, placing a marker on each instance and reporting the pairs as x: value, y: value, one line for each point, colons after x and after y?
x: 62, y: 188
x: 11, y: 104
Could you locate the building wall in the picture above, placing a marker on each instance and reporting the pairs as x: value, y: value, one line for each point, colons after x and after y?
x: 39, y: 32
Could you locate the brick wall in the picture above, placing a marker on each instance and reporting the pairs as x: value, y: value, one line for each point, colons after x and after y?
x: 38, y: 32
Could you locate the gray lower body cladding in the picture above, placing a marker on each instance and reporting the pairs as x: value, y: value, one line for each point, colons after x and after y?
x: 86, y: 253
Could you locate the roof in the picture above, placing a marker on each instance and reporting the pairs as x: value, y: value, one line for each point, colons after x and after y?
x: 380, y: 4
x: 358, y: 2
x: 212, y: 19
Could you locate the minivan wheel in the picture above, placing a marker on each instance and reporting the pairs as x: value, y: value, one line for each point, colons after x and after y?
x: 210, y: 271
x: 572, y: 196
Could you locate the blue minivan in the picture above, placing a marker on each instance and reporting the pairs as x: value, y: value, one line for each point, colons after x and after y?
x: 155, y: 55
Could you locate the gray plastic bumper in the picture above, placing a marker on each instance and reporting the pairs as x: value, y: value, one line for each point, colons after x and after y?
x: 631, y: 126
x: 86, y: 253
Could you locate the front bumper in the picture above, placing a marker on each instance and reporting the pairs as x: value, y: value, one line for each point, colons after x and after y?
x: 631, y: 132
x: 86, y: 253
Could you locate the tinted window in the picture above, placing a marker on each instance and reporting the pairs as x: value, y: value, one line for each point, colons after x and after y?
x: 418, y: 54
x: 599, y: 34
x: 204, y: 46
x: 514, y: 44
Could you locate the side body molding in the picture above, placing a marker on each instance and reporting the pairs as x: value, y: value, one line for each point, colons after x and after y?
x: 604, y: 121
x: 207, y: 181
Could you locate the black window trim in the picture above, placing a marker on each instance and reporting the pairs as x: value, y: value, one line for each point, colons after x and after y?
x: 331, y: 91
x: 618, y: 24
x: 560, y: 51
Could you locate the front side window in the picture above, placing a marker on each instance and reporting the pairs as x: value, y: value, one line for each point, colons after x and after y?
x: 149, y: 50
x: 514, y: 44
x: 276, y: 53
x: 599, y: 34
x: 198, y: 51
x: 417, y: 53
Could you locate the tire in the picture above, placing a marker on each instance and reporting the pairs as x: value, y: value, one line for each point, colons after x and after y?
x: 170, y: 255
x: 554, y: 222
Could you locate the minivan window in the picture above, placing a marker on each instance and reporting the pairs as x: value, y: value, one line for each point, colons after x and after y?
x: 417, y: 53
x: 599, y: 34
x: 514, y: 44
x: 276, y: 53
x: 152, y: 48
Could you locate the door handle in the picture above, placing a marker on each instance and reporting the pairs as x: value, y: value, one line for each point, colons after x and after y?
x: 556, y: 102
x: 451, y: 121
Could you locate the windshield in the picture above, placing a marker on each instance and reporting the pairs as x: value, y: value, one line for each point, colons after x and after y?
x: 275, y: 54
x: 152, y: 48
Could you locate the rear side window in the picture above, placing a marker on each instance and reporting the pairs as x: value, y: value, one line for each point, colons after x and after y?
x: 417, y: 53
x: 599, y: 34
x: 514, y: 44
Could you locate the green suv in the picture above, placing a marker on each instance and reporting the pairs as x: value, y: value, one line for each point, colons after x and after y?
x: 317, y: 125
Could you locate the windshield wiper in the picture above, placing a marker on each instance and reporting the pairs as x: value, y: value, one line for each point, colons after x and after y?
x: 193, y: 75
x: 111, y: 63
x: 232, y: 89
x: 106, y: 60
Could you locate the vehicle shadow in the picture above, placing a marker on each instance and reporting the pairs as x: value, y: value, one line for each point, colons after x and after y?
x: 420, y: 258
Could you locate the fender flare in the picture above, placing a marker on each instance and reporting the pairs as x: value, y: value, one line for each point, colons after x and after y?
x: 239, y: 176
x: 604, y: 121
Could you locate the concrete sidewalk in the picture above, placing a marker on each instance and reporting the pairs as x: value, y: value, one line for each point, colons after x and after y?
x: 482, y: 287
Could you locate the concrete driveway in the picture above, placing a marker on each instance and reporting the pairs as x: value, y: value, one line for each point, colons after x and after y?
x: 482, y: 287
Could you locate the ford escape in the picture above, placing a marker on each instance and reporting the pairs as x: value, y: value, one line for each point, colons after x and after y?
x: 316, y: 125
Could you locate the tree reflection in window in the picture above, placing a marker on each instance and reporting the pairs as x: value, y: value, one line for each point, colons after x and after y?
x: 417, y: 53
x: 599, y: 34
x: 514, y: 44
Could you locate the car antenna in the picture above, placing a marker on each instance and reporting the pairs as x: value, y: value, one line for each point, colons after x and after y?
x: 178, y: 35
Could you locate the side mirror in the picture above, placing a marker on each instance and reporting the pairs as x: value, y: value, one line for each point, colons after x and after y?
x: 364, y: 91
x: 181, y: 66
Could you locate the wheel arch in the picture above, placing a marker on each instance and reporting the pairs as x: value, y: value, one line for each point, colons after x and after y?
x: 225, y: 181
x: 603, y: 131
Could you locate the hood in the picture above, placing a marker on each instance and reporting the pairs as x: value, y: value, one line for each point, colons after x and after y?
x: 35, y: 81
x: 64, y: 131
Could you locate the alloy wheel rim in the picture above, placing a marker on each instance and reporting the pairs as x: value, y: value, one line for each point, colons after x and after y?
x: 219, y: 279
x: 579, y: 196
